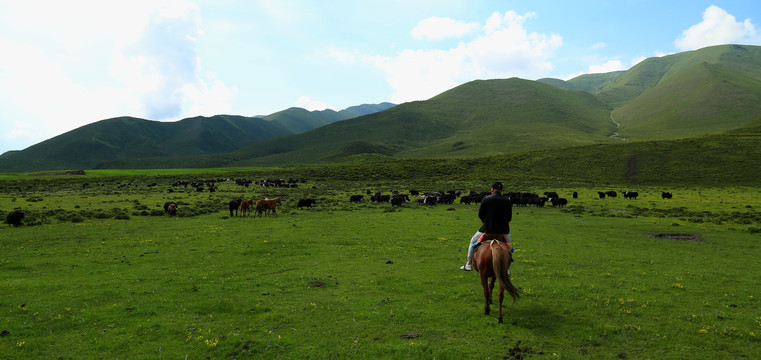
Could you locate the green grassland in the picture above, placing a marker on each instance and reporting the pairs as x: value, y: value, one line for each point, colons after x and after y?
x: 100, y: 272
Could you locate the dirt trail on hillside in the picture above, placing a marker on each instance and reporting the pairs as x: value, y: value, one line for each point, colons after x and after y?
x: 618, y: 126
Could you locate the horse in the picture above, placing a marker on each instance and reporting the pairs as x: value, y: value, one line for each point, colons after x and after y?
x: 234, y: 205
x: 245, y: 206
x: 271, y: 205
x: 492, y: 260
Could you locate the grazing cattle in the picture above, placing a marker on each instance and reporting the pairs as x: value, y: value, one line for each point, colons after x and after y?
x: 631, y: 194
x: 378, y: 197
x: 601, y: 194
x: 446, y: 198
x: 356, y: 198
x: 398, y: 200
x: 537, y: 201
x: 575, y: 195
x: 559, y: 202
x: 234, y: 205
x: 551, y: 194
x: 414, y: 192
x: 306, y: 202
x: 666, y: 195
x: 14, y: 218
x: 428, y: 199
x: 170, y: 208
x: 245, y: 207
x: 611, y: 193
x: 271, y: 205
x: 467, y: 199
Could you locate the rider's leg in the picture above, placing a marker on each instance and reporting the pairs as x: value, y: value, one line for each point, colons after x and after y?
x: 473, y: 240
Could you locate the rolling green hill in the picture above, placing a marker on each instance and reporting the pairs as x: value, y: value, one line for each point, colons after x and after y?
x: 715, y: 90
x: 591, y: 83
x: 127, y: 137
x: 702, y: 99
x: 134, y: 138
x: 715, y: 160
x: 651, y: 72
x: 479, y: 118
x: 298, y: 120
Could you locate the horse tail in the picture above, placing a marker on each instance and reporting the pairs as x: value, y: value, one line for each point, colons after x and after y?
x: 501, y: 259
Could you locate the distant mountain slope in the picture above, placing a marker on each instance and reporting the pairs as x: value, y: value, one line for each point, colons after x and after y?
x: 591, y: 83
x: 702, y: 99
x: 709, y: 91
x: 475, y: 119
x: 706, y: 91
x: 298, y: 120
x: 745, y: 60
x: 479, y: 118
x: 128, y: 137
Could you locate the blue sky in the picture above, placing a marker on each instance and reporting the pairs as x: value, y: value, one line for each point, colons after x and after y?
x: 66, y: 64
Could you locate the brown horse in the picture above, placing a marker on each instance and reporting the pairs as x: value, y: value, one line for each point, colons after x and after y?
x: 270, y: 203
x: 492, y: 260
x: 245, y: 206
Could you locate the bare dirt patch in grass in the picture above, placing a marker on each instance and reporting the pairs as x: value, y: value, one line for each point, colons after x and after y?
x: 684, y: 237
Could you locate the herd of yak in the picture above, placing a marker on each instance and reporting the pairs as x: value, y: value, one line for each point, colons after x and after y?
x: 243, y: 207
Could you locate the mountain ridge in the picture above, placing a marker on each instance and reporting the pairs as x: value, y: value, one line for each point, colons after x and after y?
x: 696, y: 93
x: 130, y: 137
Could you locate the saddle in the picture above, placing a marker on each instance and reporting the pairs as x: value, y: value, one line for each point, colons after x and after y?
x: 499, y: 237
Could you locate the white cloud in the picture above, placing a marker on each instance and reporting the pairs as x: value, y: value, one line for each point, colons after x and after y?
x: 507, y: 49
x: 599, y: 45
x: 609, y: 66
x: 312, y: 105
x: 161, y: 67
x: 718, y: 27
x: 20, y: 130
x: 91, y: 60
x: 421, y: 74
x: 201, y: 99
x: 437, y: 28
x: 499, y: 49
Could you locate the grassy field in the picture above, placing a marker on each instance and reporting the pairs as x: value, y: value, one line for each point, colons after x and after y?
x: 100, y: 272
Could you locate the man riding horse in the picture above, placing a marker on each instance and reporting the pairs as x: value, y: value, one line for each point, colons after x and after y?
x: 495, y: 213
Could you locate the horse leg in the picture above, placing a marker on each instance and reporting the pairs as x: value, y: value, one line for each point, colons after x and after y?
x: 487, y: 293
x: 500, y: 296
x: 491, y: 289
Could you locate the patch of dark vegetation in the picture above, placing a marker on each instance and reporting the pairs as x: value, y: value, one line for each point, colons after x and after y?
x: 573, y: 209
x: 72, y: 172
x: 519, y: 352
x: 317, y: 283
x: 40, y: 217
x: 385, y: 301
x: 682, y: 213
x: 410, y: 335
x: 683, y: 237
